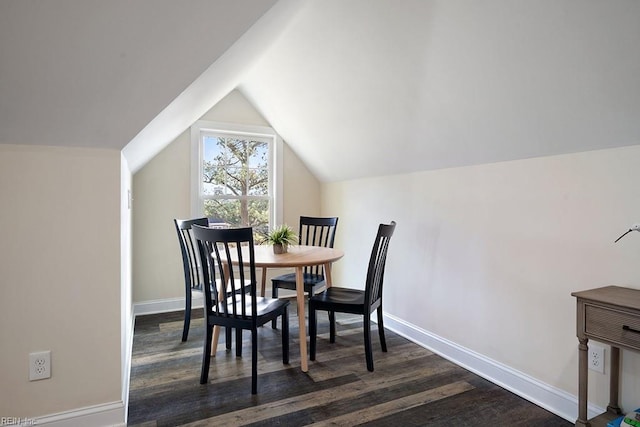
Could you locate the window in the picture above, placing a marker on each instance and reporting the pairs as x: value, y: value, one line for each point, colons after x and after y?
x: 236, y: 175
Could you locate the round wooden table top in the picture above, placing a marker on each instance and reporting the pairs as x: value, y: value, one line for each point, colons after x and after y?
x: 296, y: 256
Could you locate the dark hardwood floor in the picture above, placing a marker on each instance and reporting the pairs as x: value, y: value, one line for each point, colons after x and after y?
x: 411, y: 386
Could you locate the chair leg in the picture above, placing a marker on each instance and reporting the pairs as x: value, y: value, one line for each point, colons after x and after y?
x: 309, y: 295
x: 285, y: 336
x: 238, y: 342
x: 187, y: 315
x: 274, y: 294
x: 206, y: 357
x: 367, y: 342
x: 227, y: 336
x: 332, y: 327
x: 313, y: 329
x: 383, y: 342
x: 254, y: 361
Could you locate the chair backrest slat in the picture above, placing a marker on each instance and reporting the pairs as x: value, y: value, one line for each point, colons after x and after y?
x: 377, y: 263
x: 190, y: 259
x: 315, y: 231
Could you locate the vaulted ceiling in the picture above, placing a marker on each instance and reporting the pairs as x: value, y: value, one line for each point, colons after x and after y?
x: 356, y: 88
x: 95, y: 73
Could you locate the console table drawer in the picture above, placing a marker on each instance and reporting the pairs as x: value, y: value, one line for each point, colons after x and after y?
x: 612, y: 325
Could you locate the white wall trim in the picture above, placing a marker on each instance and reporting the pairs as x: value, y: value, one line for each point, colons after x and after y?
x: 107, y: 414
x: 166, y: 305
x: 557, y: 401
x: 127, y: 366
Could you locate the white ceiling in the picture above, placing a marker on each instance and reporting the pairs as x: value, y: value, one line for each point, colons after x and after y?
x: 357, y: 88
x: 375, y: 87
x: 95, y: 72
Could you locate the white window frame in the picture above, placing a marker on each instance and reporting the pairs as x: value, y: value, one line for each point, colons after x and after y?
x: 275, y: 163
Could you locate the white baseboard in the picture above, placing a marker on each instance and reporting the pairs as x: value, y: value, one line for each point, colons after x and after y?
x: 108, y: 414
x: 166, y: 305
x: 557, y: 401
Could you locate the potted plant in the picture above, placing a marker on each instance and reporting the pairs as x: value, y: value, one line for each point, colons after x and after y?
x: 281, y: 237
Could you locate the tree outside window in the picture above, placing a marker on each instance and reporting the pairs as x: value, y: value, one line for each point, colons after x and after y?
x: 235, y: 180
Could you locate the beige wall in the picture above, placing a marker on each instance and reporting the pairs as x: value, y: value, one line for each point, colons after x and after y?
x: 161, y: 193
x: 487, y: 256
x: 61, y: 277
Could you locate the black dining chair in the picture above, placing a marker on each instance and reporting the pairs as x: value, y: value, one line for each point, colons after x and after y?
x: 192, y: 272
x: 192, y: 276
x: 228, y: 303
x: 313, y: 231
x: 356, y: 301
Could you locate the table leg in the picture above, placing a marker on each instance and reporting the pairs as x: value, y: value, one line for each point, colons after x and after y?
x: 327, y: 275
x: 216, y: 328
x: 582, y: 382
x: 614, y: 377
x: 328, y: 280
x: 214, y: 343
x: 301, y: 319
x: 263, y: 284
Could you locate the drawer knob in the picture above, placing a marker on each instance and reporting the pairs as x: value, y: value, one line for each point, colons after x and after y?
x: 630, y: 329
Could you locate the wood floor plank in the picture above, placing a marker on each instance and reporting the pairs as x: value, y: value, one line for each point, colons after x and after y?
x: 302, y: 402
x: 337, y: 362
x: 410, y: 386
x: 397, y: 405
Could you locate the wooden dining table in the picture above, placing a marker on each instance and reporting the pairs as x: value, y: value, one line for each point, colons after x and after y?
x: 298, y: 257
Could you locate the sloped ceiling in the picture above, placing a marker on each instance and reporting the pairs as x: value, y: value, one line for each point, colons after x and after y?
x: 95, y: 72
x: 357, y: 88
x: 375, y: 87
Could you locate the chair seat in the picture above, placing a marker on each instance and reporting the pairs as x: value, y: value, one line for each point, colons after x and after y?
x: 350, y: 300
x: 265, y: 306
x: 288, y: 281
x: 312, y: 283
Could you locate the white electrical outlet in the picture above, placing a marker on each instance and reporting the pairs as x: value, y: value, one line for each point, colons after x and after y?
x: 596, y: 358
x: 39, y: 365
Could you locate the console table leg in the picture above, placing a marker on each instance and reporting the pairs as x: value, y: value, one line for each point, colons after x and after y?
x: 582, y: 383
x: 614, y: 381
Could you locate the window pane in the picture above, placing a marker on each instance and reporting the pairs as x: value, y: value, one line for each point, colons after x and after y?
x: 235, y: 181
x: 258, y: 183
x: 212, y: 149
x: 240, y: 213
x: 210, y: 189
x: 235, y: 166
x: 259, y: 155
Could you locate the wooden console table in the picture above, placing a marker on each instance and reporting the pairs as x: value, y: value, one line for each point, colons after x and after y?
x: 610, y: 315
